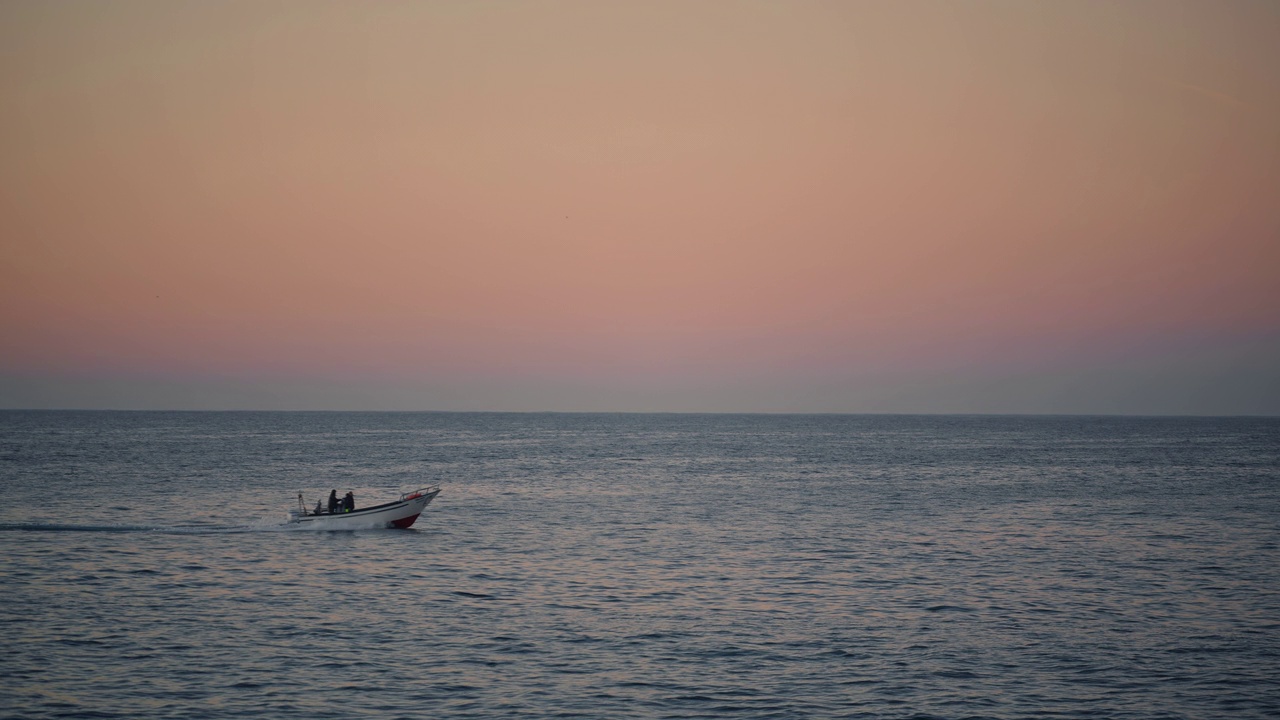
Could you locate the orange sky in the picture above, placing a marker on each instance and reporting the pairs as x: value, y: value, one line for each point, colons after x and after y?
x: 906, y: 206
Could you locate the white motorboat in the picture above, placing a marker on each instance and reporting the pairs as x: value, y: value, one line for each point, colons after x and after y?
x: 397, y: 514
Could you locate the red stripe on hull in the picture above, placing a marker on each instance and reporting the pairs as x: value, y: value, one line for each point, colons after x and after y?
x: 404, y: 522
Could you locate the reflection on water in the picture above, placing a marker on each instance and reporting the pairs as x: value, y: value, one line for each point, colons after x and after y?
x: 642, y: 566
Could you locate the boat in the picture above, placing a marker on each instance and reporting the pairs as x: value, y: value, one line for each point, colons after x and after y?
x: 396, y: 514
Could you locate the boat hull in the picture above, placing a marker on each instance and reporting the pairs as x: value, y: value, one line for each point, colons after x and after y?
x: 399, y: 514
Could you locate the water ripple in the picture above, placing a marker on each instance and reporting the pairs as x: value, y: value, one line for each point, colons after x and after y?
x: 643, y: 566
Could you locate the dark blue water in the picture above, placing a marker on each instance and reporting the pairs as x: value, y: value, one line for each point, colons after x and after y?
x: 641, y: 566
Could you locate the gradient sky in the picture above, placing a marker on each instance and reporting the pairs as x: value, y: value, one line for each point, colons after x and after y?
x: 667, y: 206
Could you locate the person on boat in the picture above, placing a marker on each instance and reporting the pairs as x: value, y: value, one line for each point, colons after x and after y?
x: 349, y: 502
x: 333, y: 501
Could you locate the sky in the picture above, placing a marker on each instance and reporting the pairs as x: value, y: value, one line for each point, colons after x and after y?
x: 862, y: 207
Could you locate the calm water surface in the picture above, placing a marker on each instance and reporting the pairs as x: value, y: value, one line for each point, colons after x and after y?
x: 641, y: 566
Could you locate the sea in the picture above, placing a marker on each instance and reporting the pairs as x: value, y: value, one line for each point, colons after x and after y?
x: 640, y: 566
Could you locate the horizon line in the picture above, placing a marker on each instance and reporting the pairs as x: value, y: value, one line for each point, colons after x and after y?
x: 652, y: 412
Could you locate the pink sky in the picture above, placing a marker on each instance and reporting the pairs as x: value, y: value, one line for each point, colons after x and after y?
x: 738, y: 206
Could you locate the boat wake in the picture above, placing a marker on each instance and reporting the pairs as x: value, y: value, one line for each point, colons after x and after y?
x: 161, y: 529
x: 398, y: 514
x: 264, y: 527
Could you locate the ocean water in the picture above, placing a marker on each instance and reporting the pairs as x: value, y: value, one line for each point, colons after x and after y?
x: 641, y: 566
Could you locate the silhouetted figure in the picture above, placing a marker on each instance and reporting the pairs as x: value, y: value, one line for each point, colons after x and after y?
x: 333, y: 501
x: 349, y: 502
